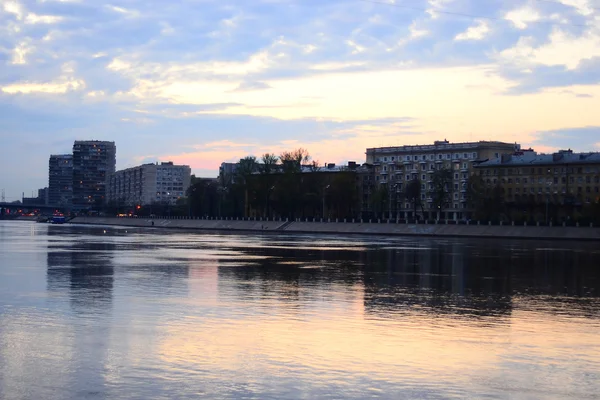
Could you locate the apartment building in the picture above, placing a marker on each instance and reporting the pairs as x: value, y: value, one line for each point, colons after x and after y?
x: 560, y: 178
x: 60, y: 179
x: 396, y: 166
x: 93, y: 162
x: 146, y: 184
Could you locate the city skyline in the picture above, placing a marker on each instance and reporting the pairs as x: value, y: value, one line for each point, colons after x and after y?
x: 208, y: 82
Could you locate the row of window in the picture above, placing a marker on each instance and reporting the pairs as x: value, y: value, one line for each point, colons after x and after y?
x: 547, y: 181
x: 415, y: 167
x: 563, y: 189
x: 543, y: 170
x: 423, y: 157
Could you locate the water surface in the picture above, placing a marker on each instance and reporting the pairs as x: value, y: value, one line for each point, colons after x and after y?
x: 121, y: 313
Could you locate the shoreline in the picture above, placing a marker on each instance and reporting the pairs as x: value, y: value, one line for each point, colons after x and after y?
x: 356, y: 228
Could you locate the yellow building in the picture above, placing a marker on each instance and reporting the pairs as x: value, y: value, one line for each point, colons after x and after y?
x: 563, y: 178
x: 396, y: 166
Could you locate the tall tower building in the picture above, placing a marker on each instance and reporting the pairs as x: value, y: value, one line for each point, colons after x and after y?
x: 93, y: 162
x: 60, y: 179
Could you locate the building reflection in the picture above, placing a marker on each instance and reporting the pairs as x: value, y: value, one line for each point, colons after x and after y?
x: 81, y: 269
x: 478, y: 279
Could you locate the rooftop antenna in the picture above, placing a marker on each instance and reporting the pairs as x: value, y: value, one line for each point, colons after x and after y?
x: 3, y: 196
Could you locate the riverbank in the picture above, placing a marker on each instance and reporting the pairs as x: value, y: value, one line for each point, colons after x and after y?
x: 441, y: 230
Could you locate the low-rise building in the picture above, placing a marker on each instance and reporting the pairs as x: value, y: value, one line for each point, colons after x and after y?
x: 396, y: 167
x: 147, y: 184
x: 562, y: 178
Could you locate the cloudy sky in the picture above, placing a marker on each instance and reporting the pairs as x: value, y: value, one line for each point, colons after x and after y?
x: 205, y: 81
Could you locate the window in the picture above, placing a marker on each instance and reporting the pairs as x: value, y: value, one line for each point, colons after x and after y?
x: 384, y: 158
x: 448, y: 156
x: 440, y: 156
x: 455, y: 176
x: 525, y: 181
x: 424, y: 158
x: 496, y: 155
x: 422, y: 177
x: 474, y: 155
x: 465, y: 165
x: 408, y: 177
x: 422, y: 186
x: 455, y: 196
x: 393, y: 158
x: 518, y: 180
x: 456, y: 186
x: 416, y: 158
x: 465, y: 156
x: 385, y: 168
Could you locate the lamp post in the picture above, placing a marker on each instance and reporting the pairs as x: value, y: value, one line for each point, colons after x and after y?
x: 548, y: 185
x: 392, y: 187
x: 324, y: 189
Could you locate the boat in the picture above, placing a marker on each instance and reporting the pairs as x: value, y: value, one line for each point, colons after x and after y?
x: 58, y: 219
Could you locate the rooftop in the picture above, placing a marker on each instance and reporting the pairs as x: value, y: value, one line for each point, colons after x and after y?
x: 441, y: 145
x: 562, y: 157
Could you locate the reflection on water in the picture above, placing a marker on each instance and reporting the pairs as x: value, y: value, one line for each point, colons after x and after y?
x: 104, y: 312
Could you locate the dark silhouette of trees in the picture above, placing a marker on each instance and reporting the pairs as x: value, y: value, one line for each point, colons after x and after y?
x: 412, y: 194
x: 439, y: 192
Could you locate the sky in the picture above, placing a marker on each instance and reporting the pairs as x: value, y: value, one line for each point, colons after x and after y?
x: 200, y: 82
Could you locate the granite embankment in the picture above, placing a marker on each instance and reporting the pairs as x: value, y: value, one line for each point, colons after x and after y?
x: 441, y: 230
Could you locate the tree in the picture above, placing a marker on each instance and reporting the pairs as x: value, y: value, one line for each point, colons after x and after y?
x: 379, y: 200
x: 202, y: 197
x: 439, y: 192
x: 476, y: 195
x: 267, y: 182
x: 289, y: 188
x: 246, y: 167
x: 412, y: 194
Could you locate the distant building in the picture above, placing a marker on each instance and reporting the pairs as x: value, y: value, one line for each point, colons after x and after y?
x: 43, y: 195
x: 560, y: 178
x: 146, y: 184
x: 60, y: 179
x: 227, y: 172
x: 397, y: 166
x: 93, y: 162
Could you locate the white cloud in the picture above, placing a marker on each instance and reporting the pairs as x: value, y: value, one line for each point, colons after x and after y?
x: 356, y: 48
x: 476, y: 32
x: 124, y: 11
x: 522, y: 16
x: 584, y: 7
x: 57, y: 87
x: 14, y: 7
x: 20, y: 52
x: 563, y: 49
x: 42, y: 19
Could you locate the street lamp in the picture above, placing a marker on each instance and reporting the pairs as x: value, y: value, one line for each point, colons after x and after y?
x: 324, y: 189
x: 392, y: 187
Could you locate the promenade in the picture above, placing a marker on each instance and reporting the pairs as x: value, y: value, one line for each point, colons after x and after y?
x: 364, y: 228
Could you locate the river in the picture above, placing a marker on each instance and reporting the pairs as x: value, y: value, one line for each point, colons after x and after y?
x: 93, y: 312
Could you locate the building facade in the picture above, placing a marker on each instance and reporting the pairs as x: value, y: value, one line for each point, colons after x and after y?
x: 60, y: 179
x: 395, y: 167
x: 93, y: 162
x: 147, y: 184
x: 562, y: 178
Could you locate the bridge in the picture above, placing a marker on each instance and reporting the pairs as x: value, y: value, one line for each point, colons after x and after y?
x: 11, y: 208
